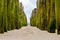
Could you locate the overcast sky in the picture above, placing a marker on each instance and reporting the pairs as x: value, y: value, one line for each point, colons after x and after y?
x: 29, y: 5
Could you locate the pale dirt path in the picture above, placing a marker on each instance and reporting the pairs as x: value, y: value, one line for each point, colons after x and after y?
x: 29, y: 33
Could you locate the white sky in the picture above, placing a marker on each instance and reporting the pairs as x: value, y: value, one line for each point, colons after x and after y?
x: 29, y: 5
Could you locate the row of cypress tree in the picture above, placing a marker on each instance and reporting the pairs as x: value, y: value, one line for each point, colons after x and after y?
x: 23, y: 17
x: 9, y: 15
x: 33, y: 17
x: 47, y: 16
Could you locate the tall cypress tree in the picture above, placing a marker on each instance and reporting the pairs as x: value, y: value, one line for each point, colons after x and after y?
x: 57, y: 9
x: 16, y: 14
x: 38, y: 17
x: 22, y: 15
x: 33, y: 17
x: 5, y: 18
x: 41, y: 14
x: 51, y: 26
x: 9, y: 2
x: 1, y: 16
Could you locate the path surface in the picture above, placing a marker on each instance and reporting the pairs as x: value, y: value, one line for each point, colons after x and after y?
x: 29, y: 33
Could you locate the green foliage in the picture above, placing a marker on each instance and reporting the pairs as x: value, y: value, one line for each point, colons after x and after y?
x: 5, y: 18
x: 22, y: 16
x: 1, y: 16
x: 33, y: 21
x: 33, y: 18
x: 17, y: 24
x: 45, y: 16
x: 52, y: 26
x: 57, y: 9
x: 41, y: 14
x: 9, y: 6
x: 23, y: 19
x: 9, y: 15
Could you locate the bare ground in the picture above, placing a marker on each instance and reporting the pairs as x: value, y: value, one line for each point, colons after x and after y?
x: 29, y: 33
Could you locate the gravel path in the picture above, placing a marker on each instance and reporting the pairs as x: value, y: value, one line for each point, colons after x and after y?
x: 29, y: 33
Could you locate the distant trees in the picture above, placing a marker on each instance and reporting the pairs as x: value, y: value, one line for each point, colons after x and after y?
x: 10, y: 15
x: 23, y: 17
x: 33, y: 17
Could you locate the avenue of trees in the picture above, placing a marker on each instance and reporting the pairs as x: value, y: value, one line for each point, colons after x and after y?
x: 10, y: 15
x: 47, y: 16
